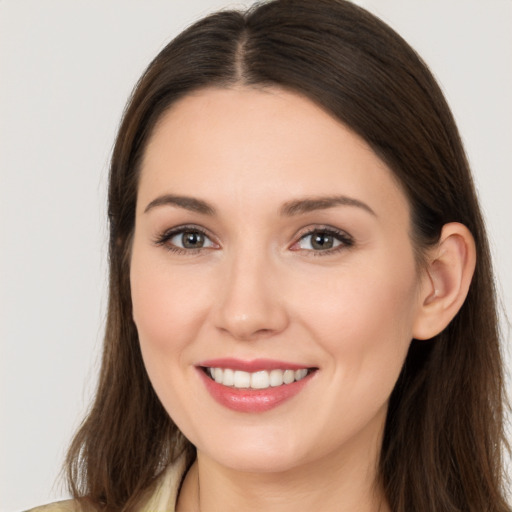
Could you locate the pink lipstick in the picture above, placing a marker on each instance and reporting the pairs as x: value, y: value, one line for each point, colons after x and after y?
x: 253, y: 386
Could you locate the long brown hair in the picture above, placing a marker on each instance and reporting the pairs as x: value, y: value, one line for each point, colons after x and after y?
x: 444, y: 436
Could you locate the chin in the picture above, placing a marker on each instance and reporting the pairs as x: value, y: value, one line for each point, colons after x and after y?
x: 256, y: 461
x: 259, y: 451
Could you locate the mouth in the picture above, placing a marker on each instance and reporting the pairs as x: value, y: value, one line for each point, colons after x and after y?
x: 255, y: 386
x: 262, y: 379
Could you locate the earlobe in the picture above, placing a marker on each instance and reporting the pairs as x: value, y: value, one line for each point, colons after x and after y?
x: 447, y: 277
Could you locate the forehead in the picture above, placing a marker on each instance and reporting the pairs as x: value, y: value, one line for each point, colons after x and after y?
x: 258, y: 145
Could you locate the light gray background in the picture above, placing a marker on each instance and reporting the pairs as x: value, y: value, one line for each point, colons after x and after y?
x: 66, y: 70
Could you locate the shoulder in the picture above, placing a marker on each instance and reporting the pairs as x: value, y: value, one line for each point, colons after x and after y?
x: 161, y: 497
x: 64, y: 506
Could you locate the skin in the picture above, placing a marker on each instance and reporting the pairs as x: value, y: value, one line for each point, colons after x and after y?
x: 259, y: 290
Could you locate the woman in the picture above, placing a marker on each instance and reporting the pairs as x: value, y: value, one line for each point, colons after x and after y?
x: 301, y: 307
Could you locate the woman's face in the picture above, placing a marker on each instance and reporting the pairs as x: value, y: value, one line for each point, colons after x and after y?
x: 271, y: 251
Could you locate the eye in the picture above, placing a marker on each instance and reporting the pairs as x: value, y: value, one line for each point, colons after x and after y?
x: 323, y: 240
x: 185, y: 239
x: 191, y: 239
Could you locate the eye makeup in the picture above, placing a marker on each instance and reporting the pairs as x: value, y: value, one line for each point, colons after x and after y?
x: 186, y: 240
x: 320, y: 240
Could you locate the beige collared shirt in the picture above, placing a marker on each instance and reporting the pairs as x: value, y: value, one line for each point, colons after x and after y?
x: 162, y: 499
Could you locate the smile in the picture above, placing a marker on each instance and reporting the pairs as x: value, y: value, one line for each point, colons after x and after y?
x: 253, y: 386
x: 262, y: 379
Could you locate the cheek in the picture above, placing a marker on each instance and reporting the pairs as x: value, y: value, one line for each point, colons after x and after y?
x: 364, y: 327
x: 166, y: 309
x: 167, y: 305
x: 364, y: 320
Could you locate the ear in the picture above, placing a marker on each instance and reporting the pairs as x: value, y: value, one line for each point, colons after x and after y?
x: 446, y: 279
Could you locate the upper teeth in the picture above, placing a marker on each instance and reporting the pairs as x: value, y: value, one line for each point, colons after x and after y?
x: 257, y: 380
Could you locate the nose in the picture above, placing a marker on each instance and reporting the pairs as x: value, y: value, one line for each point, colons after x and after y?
x: 250, y: 305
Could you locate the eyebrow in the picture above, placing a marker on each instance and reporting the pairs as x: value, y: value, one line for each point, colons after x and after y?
x: 289, y: 209
x: 309, y: 204
x: 188, y: 203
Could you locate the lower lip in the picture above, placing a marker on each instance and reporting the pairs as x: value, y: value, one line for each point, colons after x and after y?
x: 252, y: 400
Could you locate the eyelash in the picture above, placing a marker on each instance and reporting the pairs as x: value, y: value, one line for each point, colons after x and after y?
x: 166, y: 236
x: 346, y: 241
